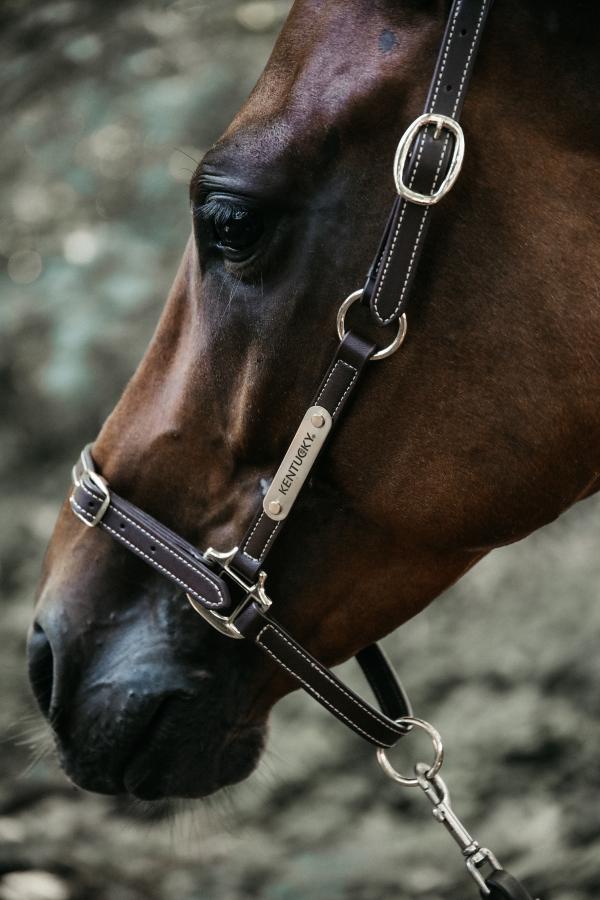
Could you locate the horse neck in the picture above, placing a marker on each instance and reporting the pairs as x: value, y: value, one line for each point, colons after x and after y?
x: 518, y: 263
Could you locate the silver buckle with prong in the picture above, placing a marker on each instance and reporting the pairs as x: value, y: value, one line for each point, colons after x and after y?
x: 254, y: 593
x: 405, y: 145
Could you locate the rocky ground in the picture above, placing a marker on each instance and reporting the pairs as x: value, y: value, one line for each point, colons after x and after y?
x: 105, y: 108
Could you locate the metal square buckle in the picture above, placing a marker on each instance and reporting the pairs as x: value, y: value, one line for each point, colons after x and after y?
x: 405, y: 145
x: 85, y: 468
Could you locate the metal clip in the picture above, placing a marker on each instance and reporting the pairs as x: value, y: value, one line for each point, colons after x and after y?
x: 254, y: 593
x: 434, y: 788
x: 474, y: 854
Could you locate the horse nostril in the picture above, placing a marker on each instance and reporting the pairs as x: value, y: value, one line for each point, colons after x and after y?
x: 41, y: 665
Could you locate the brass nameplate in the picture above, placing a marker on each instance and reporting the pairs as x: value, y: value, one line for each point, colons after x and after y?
x: 297, y: 463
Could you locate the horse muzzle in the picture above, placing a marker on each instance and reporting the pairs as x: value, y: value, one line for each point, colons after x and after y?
x: 131, y: 715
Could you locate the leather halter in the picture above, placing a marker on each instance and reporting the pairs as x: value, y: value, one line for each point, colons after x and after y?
x: 228, y: 589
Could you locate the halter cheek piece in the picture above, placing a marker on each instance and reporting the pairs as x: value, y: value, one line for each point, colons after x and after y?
x: 228, y: 589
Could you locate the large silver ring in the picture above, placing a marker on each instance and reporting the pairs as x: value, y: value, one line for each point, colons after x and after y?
x: 434, y: 768
x: 385, y: 351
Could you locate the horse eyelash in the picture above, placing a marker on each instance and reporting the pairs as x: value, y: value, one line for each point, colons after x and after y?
x: 218, y: 212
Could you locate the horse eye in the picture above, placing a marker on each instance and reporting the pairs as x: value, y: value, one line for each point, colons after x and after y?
x: 242, y: 230
x: 235, y: 228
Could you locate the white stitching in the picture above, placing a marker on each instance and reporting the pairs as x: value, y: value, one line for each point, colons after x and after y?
x: 341, y: 400
x: 81, y: 509
x: 397, y: 234
x: 472, y: 48
x: 163, y: 545
x: 329, y: 677
x: 340, y: 362
x: 331, y: 374
x: 418, y: 160
x: 320, y: 697
x: 445, y: 57
x: 268, y: 541
x: 256, y: 524
x: 355, y: 699
x: 155, y: 564
x: 419, y: 232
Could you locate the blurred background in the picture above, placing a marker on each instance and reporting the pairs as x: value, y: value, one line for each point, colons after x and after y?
x: 106, y: 107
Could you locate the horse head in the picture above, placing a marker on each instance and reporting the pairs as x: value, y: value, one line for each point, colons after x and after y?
x: 484, y: 427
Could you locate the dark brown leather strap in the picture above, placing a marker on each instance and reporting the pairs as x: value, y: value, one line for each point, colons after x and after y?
x: 333, y: 394
x: 376, y: 727
x: 383, y: 681
x: 393, y: 270
x: 153, y: 542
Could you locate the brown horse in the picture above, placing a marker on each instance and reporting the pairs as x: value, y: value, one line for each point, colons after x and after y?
x: 484, y: 427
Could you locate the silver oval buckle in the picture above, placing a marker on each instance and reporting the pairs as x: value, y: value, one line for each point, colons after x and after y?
x: 405, y: 145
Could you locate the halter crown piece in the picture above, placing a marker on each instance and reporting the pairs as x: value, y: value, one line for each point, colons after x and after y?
x: 228, y: 588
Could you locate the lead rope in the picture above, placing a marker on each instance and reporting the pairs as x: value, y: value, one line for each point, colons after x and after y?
x: 498, y: 884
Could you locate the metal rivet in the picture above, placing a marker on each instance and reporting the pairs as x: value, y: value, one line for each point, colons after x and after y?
x: 275, y: 507
x: 317, y: 420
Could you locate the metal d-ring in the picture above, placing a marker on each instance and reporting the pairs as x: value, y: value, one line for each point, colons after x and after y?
x: 385, y: 351
x: 434, y: 768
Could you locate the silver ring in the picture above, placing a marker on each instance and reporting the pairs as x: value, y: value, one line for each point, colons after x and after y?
x: 438, y: 747
x: 385, y: 351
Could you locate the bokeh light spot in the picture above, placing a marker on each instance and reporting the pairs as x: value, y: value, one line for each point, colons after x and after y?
x: 111, y: 142
x: 24, y: 266
x: 34, y: 885
x: 80, y: 246
x: 258, y: 16
x: 83, y: 49
x: 31, y: 204
x: 146, y: 63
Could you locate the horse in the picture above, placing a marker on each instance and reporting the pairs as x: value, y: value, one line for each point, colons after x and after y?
x: 484, y: 428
